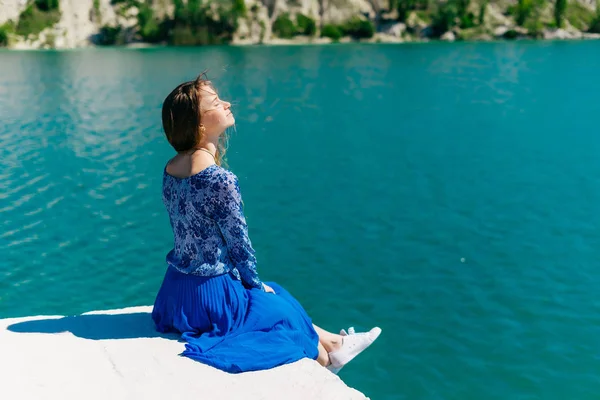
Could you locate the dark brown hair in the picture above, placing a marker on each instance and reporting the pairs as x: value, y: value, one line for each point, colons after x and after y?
x: 182, y: 117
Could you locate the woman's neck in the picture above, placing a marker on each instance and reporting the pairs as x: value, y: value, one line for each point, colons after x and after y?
x: 208, y: 145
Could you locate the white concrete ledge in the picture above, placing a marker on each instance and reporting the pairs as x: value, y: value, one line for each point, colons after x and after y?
x: 117, y: 354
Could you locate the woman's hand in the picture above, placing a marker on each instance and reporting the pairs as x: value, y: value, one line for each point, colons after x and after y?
x: 268, y: 289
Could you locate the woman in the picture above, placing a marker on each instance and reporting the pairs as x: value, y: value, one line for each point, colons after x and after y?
x: 211, y: 292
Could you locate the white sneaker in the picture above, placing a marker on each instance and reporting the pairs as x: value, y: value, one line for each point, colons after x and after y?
x: 352, y: 345
x: 343, y: 332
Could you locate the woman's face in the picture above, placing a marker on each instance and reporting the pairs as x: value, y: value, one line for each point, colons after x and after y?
x: 216, y: 113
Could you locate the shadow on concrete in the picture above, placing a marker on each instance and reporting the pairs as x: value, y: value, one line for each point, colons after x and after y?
x: 96, y: 326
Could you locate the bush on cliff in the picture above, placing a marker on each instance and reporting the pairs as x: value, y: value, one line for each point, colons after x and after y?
x: 33, y: 20
x: 111, y: 36
x: 3, y: 36
x: 196, y: 23
x: 152, y: 30
x: 444, y: 20
x: 284, y: 27
x: 332, y: 31
x: 595, y: 23
x: 306, y: 25
x: 359, y: 28
x: 595, y: 26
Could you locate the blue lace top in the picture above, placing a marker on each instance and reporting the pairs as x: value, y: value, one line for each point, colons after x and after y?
x: 209, y: 227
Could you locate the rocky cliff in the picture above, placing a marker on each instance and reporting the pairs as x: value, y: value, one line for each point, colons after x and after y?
x: 32, y: 24
x: 117, y: 354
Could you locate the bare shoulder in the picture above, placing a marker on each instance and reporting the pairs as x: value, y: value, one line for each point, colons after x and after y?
x: 183, y: 167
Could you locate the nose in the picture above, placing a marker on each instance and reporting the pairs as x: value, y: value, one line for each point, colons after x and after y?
x: 226, y: 104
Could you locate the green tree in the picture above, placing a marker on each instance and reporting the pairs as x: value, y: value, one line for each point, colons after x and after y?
x: 523, y: 11
x: 482, y: 9
x: 239, y: 8
x: 3, y: 36
x: 404, y: 7
x: 306, y: 25
x: 284, y: 27
x: 5, y: 30
x: 560, y: 7
x: 195, y: 24
x: 110, y: 36
x: 444, y: 19
x: 359, y: 28
x: 332, y: 31
x: 533, y: 22
x: 151, y: 29
x: 595, y: 24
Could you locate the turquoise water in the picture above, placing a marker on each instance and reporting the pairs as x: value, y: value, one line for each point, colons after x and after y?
x: 449, y: 193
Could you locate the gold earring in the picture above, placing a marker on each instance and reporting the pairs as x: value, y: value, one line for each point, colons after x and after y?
x: 202, y: 129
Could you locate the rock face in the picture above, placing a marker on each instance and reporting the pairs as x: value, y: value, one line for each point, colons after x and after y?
x: 117, y: 355
x: 11, y: 9
x: 81, y: 21
x: 257, y: 27
x: 561, y: 34
x: 448, y: 37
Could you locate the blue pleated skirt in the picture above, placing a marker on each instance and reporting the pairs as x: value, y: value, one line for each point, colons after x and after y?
x: 233, y: 328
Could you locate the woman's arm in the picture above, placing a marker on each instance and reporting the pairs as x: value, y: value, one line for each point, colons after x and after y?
x: 229, y: 216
